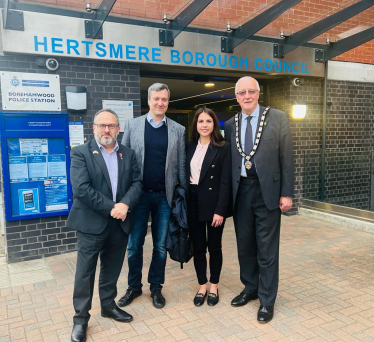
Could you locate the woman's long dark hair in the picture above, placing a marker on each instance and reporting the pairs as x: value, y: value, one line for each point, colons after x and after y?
x: 216, y: 138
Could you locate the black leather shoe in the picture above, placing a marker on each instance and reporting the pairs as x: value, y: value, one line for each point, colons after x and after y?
x: 158, y: 299
x: 79, y: 333
x: 129, y: 296
x: 199, y: 298
x: 117, y: 314
x: 213, y: 298
x: 265, y: 313
x: 243, y: 299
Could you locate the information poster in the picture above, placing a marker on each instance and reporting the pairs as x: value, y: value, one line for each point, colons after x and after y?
x: 56, y: 166
x: 18, y: 169
x: 37, y: 166
x: 56, y: 195
x: 28, y: 201
x: 76, y: 134
x: 124, y: 110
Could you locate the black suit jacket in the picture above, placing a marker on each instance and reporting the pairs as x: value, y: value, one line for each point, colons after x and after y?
x: 214, y: 190
x: 274, y: 158
x: 92, y: 191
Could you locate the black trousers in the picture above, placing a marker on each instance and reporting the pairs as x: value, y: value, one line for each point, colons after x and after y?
x: 111, y: 246
x: 204, y: 235
x: 257, y: 234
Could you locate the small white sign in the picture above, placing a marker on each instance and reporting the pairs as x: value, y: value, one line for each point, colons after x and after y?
x: 124, y: 110
x: 30, y: 92
x: 76, y: 135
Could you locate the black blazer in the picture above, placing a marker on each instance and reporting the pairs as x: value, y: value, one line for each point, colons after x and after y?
x: 92, y: 190
x: 214, y: 189
x: 274, y: 158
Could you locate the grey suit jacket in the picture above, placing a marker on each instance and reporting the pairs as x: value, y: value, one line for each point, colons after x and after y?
x: 274, y: 158
x: 92, y: 190
x: 133, y: 137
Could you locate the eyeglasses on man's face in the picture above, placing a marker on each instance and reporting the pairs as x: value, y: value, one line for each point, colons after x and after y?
x: 103, y: 126
x: 250, y: 92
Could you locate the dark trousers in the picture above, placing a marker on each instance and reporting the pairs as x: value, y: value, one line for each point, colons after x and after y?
x: 111, y: 246
x: 257, y: 234
x: 156, y: 204
x: 200, y: 241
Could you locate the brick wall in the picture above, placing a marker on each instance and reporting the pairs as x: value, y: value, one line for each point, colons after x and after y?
x: 220, y: 12
x: 35, y: 238
x: 349, y: 143
x: 349, y: 139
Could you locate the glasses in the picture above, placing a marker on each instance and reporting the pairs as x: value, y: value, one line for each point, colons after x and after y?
x: 102, y: 126
x: 250, y: 92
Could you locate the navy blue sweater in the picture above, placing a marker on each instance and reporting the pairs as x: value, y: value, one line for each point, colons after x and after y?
x: 156, y: 146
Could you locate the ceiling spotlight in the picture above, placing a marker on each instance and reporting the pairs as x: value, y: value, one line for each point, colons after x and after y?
x: 89, y: 9
x: 209, y: 84
x: 282, y: 34
x: 165, y: 18
x: 327, y: 41
x: 229, y: 28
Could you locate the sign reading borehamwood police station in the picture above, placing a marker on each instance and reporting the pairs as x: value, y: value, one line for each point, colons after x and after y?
x: 55, y: 35
x: 30, y: 92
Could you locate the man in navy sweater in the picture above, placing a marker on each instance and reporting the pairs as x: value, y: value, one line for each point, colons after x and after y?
x: 159, y: 147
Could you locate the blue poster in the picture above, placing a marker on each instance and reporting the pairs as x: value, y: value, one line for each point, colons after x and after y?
x: 56, y: 195
x: 33, y: 146
x: 37, y: 168
x: 57, y: 166
x: 18, y: 169
x: 28, y: 201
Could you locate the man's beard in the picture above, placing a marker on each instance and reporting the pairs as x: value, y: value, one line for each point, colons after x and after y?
x: 105, y: 142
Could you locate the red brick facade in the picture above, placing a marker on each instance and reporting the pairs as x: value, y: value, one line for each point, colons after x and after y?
x: 220, y: 12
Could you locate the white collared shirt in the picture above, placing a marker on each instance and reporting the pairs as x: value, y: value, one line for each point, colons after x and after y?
x: 244, y: 121
x: 153, y: 123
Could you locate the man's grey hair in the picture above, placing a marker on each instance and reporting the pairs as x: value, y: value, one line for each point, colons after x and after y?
x: 106, y: 110
x: 157, y: 87
x: 245, y: 77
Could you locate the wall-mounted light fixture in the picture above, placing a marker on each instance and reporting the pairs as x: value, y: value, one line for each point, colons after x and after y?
x: 76, y: 98
x: 298, y: 111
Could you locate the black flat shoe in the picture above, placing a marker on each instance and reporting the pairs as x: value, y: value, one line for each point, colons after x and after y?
x: 129, y: 296
x: 243, y: 299
x: 213, y: 298
x: 265, y: 313
x: 199, y: 298
x: 79, y: 333
x: 117, y: 314
x: 158, y: 299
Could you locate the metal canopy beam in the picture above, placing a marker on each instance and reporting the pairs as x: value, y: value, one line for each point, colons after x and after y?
x: 181, y: 21
x: 12, y: 20
x: 94, y: 27
x: 348, y: 43
x: 245, y: 31
x: 312, y: 31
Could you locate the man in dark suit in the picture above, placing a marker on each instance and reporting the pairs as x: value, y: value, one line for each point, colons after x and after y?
x: 106, y: 184
x: 262, y: 187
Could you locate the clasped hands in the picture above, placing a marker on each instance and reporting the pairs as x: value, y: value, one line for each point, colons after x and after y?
x: 119, y: 211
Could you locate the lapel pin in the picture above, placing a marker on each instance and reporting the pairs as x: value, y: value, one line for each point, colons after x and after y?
x: 95, y: 152
x: 120, y: 155
x: 265, y: 123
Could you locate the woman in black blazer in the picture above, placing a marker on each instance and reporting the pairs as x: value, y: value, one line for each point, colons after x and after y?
x: 208, y: 164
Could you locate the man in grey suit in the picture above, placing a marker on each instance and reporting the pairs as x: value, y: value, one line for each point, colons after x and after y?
x: 159, y: 145
x: 106, y: 183
x: 262, y: 187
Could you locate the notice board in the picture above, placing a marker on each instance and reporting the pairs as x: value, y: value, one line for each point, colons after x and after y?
x: 35, y: 155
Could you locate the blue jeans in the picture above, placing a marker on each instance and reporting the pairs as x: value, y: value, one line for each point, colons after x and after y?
x: 156, y: 204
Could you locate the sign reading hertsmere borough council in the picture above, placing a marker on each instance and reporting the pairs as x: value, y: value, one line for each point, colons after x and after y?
x: 30, y: 92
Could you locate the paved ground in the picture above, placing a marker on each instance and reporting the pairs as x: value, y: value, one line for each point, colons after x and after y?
x: 325, y: 294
